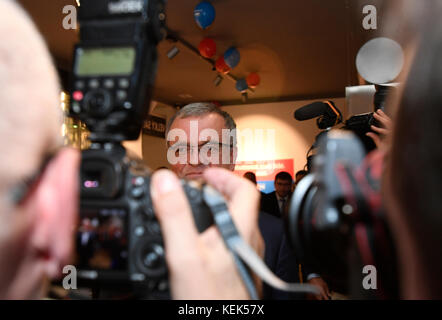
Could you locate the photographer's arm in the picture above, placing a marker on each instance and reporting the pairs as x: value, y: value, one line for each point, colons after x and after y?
x: 200, y: 266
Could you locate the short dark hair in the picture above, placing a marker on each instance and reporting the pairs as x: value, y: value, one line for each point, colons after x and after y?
x: 301, y: 172
x: 283, y: 175
x: 250, y: 176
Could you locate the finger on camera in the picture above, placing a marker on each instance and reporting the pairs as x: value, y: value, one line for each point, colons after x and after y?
x: 174, y: 214
x: 379, y: 130
x: 375, y: 138
x: 383, y: 118
x: 235, y: 189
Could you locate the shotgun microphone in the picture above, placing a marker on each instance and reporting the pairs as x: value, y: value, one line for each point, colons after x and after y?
x: 329, y: 115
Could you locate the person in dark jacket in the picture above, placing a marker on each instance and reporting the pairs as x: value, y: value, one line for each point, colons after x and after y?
x: 275, y: 203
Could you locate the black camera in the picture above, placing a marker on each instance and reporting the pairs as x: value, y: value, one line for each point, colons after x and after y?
x: 119, y: 240
x: 119, y: 243
x: 328, y: 115
x: 115, y: 65
x: 336, y: 221
x: 361, y: 124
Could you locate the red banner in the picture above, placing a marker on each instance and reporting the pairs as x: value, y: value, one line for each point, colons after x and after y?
x: 265, y: 170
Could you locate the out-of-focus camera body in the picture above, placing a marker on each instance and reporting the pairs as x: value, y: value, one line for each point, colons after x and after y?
x: 119, y: 239
x: 119, y: 243
x: 336, y: 219
x: 115, y: 65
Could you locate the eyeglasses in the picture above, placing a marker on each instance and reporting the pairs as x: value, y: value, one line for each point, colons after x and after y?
x: 209, y: 149
x: 22, y: 190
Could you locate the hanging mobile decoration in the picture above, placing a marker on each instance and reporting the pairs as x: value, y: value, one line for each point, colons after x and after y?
x: 221, y: 66
x: 204, y: 14
x: 207, y: 48
x: 232, y: 57
x: 253, y: 80
x: 241, y: 85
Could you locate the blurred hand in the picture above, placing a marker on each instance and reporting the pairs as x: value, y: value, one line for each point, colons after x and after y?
x: 380, y: 136
x: 323, y: 288
x: 200, y: 266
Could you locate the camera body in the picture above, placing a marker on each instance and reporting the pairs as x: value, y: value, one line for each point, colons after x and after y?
x: 119, y: 240
x: 360, y: 124
x: 336, y: 218
x: 318, y: 227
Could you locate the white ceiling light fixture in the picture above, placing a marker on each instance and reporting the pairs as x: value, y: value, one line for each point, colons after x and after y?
x: 185, y: 96
x: 173, y: 52
x: 244, y: 97
x: 218, y: 80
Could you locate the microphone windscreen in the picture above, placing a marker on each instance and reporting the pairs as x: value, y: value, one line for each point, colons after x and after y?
x: 310, y: 111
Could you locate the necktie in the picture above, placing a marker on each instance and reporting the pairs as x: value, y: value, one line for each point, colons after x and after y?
x: 282, y: 205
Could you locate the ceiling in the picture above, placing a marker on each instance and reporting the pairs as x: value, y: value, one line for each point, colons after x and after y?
x: 302, y: 49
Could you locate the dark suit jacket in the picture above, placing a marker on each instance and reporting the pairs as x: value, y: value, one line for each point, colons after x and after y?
x: 277, y: 256
x: 269, y: 204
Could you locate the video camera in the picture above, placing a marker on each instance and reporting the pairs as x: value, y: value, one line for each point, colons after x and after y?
x: 336, y: 221
x: 119, y: 242
x: 328, y: 115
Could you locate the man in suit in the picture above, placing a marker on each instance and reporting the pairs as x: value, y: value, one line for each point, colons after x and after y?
x: 189, y: 159
x: 278, y: 255
x: 276, y: 202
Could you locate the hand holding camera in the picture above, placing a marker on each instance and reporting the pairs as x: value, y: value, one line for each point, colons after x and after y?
x: 204, y: 255
x: 380, y: 134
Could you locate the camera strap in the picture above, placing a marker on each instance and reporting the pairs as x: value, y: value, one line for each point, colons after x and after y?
x: 242, y: 252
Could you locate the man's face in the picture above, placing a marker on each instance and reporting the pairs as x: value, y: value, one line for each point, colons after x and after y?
x: 283, y: 187
x: 199, y: 150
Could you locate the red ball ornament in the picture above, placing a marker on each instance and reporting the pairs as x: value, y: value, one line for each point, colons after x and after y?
x: 253, y: 80
x: 221, y: 66
x: 207, y: 48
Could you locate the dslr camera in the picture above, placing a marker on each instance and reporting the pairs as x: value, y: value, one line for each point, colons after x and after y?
x: 119, y: 242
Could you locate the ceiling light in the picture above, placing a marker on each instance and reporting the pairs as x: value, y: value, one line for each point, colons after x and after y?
x: 244, y: 97
x: 173, y: 52
x: 218, y: 80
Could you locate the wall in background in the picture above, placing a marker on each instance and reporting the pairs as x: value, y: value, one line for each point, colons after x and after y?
x: 154, y: 148
x: 292, y: 138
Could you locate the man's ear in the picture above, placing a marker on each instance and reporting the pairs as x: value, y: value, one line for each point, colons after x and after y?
x: 56, y: 210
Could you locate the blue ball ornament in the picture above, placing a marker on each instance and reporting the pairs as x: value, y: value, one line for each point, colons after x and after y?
x: 232, y: 57
x: 204, y: 14
x: 241, y: 85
